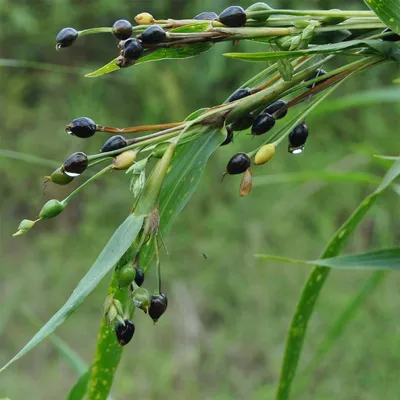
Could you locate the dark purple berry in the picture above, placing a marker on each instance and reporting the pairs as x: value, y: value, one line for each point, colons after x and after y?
x: 122, y: 29
x: 114, y: 143
x: 390, y: 38
x: 153, y: 34
x: 139, y: 277
x: 233, y: 16
x: 238, y: 164
x: 132, y: 49
x: 206, y: 16
x: 243, y: 123
x: 75, y: 164
x: 316, y: 74
x: 82, y: 127
x: 66, y: 37
x: 124, y: 332
x: 229, y: 136
x: 299, y: 135
x: 239, y: 94
x: 263, y: 124
x: 274, y: 107
x: 158, y: 306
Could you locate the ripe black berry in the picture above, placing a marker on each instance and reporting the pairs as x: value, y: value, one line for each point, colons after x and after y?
x: 124, y: 332
x: 114, y: 143
x: 158, y: 306
x: 122, y: 29
x: 243, y: 123
x: 206, y: 16
x: 298, y: 136
x: 264, y: 123
x: 238, y: 164
x: 316, y: 74
x: 239, y: 94
x: 82, y: 127
x: 153, y: 34
x: 390, y: 38
x: 274, y: 107
x: 66, y: 37
x: 229, y: 136
x: 75, y: 164
x: 233, y: 16
x: 139, y: 277
x: 133, y: 49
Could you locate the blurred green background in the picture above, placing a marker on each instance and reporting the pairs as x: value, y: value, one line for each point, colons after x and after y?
x: 224, y: 333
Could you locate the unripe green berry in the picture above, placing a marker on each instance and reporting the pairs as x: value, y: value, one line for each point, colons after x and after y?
x: 126, y: 275
x: 142, y: 299
x: 51, y: 209
x: 59, y: 177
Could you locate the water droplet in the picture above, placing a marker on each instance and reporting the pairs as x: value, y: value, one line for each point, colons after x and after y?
x: 296, y: 150
x: 58, y: 46
x: 71, y: 174
x: 68, y: 131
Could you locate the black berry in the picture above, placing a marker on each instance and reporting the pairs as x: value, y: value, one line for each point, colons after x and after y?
x: 299, y: 135
x: 390, y: 38
x: 133, y: 49
x: 124, y: 332
x: 316, y: 74
x: 75, y: 164
x: 122, y: 29
x: 238, y: 164
x: 233, y: 16
x: 239, y: 94
x: 114, y: 143
x: 158, y: 306
x: 229, y: 136
x: 139, y: 277
x: 66, y: 37
x: 82, y: 127
x: 243, y: 123
x: 153, y: 34
x: 274, y: 107
x: 206, y: 16
x: 263, y: 123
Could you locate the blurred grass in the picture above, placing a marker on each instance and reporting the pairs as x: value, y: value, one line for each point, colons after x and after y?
x: 224, y: 332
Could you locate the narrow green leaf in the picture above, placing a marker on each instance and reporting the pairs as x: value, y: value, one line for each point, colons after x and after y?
x: 17, y: 155
x: 388, y: 11
x: 105, y: 69
x: 315, y: 283
x: 79, y: 390
x: 196, y: 114
x: 390, y: 158
x: 119, y: 243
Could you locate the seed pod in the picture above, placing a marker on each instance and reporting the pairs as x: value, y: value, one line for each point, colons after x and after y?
x: 239, y: 94
x: 265, y: 154
x: 114, y: 143
x: 51, y: 209
x: 139, y: 277
x: 263, y: 124
x: 75, y: 164
x: 332, y: 20
x: 124, y: 160
x: 206, y: 16
x: 125, y: 332
x: 153, y: 34
x: 66, y: 37
x: 243, y: 123
x: 316, y: 74
x: 132, y: 49
x: 142, y: 299
x: 238, y: 164
x: 274, y: 107
x: 247, y: 183
x: 390, y: 38
x: 82, y: 127
x: 144, y: 19
x: 126, y: 275
x: 25, y: 226
x: 229, y: 136
x: 298, y: 138
x: 233, y: 17
x: 158, y: 306
x: 122, y: 29
x: 59, y: 177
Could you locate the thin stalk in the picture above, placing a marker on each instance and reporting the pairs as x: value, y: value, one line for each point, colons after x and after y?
x: 137, y: 129
x: 312, y: 13
x: 92, y: 31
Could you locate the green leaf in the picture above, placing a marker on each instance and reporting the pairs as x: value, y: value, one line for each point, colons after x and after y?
x: 17, y: 155
x: 105, y: 69
x: 79, y: 390
x: 315, y: 283
x: 119, y: 243
x: 196, y: 114
x: 388, y: 11
x: 387, y: 49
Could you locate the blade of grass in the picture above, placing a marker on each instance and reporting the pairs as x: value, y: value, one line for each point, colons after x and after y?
x: 17, y: 155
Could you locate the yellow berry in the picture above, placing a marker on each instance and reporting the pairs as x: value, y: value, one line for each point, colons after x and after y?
x: 124, y: 160
x: 144, y: 19
x: 265, y: 154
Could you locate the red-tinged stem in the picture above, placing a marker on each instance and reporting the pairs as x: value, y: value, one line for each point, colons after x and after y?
x: 137, y: 129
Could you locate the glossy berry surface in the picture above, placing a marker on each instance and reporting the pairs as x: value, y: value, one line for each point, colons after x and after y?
x: 238, y: 164
x: 122, y: 29
x: 299, y: 135
x: 114, y: 143
x: 233, y: 16
x: 158, y: 306
x: 82, y: 127
x: 316, y: 74
x: 263, y: 124
x: 66, y: 37
x: 394, y: 37
x: 206, y: 16
x: 139, y: 277
x: 274, y: 107
x: 125, y: 332
x: 243, y: 123
x: 239, y: 94
x: 75, y: 164
x: 133, y: 49
x: 229, y: 137
x: 153, y: 34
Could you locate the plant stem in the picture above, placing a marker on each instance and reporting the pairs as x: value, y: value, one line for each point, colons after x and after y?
x: 92, y: 31
x: 312, y: 13
x: 137, y: 129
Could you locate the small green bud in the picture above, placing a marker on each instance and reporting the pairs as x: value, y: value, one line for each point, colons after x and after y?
x: 125, y: 160
x: 126, y: 275
x: 51, y: 209
x: 24, y: 227
x: 142, y: 299
x: 111, y: 314
x: 108, y: 303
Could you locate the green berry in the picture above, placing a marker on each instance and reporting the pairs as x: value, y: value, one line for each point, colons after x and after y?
x: 51, y: 209
x: 126, y: 275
